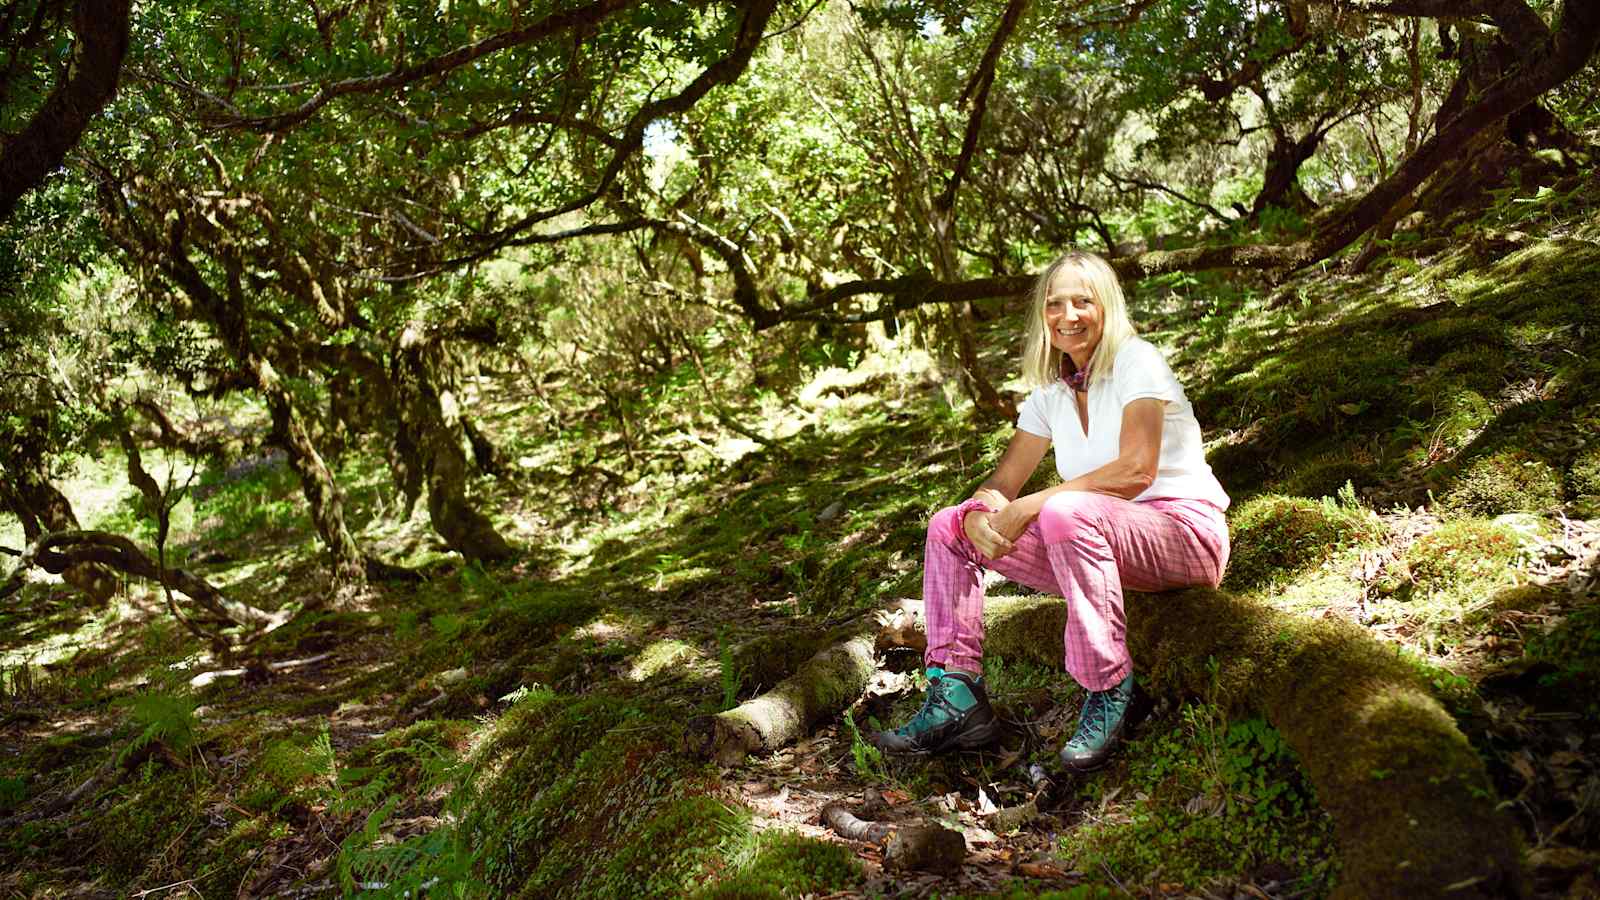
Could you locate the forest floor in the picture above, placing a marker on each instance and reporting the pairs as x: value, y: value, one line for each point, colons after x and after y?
x: 1415, y: 449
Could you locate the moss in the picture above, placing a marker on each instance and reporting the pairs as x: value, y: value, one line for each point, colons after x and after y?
x: 1430, y: 341
x: 1276, y: 536
x: 146, y: 830
x: 784, y: 864
x: 1467, y: 550
x: 292, y: 775
x: 1583, y: 482
x: 1503, y: 481
x: 663, y: 656
x: 233, y: 856
x: 1324, y: 477
x: 585, y: 797
x: 1257, y: 809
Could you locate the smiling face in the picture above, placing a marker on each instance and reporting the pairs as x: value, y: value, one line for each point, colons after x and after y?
x: 1073, y: 317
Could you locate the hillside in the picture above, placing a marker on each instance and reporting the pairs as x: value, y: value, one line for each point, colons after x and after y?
x: 1412, y: 450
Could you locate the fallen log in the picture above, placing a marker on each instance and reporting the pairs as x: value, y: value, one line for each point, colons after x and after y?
x: 1413, y: 809
x: 825, y: 684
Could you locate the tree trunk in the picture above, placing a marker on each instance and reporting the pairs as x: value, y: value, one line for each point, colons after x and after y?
x: 430, y: 432
x: 1281, y: 182
x: 323, y: 496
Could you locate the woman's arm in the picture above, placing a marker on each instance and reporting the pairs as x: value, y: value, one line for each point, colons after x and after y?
x: 1016, y: 465
x: 1134, y: 469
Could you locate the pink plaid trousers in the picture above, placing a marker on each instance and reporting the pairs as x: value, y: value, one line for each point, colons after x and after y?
x: 1086, y: 547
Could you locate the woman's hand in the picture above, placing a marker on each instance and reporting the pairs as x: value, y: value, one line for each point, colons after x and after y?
x: 990, y: 543
x: 1013, y: 519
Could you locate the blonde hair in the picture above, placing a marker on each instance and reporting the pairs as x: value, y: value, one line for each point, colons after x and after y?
x: 1041, y: 361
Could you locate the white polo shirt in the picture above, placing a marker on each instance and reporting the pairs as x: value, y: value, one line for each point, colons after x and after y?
x: 1139, y: 371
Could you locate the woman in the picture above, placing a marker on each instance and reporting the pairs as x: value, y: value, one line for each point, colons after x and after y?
x: 1137, y: 507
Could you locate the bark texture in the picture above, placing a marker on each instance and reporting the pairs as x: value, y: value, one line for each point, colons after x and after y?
x: 428, y: 442
x: 100, y: 29
x: 821, y: 687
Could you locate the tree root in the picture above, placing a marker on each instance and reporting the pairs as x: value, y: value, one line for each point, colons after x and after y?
x: 925, y: 846
x: 59, y: 551
x: 845, y: 824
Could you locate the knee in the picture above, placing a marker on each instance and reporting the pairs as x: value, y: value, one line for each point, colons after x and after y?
x: 943, y: 527
x: 1066, y: 514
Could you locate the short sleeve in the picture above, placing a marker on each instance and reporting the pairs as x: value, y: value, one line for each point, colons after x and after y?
x: 1031, y: 417
x: 1141, y: 371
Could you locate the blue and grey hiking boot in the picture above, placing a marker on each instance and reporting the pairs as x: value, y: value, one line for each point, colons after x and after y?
x: 955, y: 715
x: 1099, y: 727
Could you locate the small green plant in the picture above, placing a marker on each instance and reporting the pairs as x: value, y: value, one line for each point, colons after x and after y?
x: 868, y: 759
x: 167, y: 719
x: 728, y: 672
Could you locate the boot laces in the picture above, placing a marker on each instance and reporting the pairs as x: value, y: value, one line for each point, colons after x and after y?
x: 932, y: 704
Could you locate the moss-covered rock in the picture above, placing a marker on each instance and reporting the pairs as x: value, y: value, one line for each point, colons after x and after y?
x: 1275, y: 536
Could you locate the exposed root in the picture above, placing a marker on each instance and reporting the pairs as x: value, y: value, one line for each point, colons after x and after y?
x: 845, y: 824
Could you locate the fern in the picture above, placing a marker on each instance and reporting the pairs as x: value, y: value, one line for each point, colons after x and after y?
x: 162, y: 718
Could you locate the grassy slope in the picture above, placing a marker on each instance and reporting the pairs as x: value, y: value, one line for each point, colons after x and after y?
x: 514, y: 729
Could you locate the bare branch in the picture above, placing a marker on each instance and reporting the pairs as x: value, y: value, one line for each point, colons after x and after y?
x: 1122, y: 182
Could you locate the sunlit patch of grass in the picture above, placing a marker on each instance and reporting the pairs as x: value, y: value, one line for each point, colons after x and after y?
x: 666, y: 655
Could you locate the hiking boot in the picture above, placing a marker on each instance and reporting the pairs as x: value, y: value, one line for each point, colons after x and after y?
x: 1099, y: 727
x: 955, y: 715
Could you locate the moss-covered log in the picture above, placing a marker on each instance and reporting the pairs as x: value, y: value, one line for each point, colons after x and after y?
x: 826, y: 683
x: 1412, y: 806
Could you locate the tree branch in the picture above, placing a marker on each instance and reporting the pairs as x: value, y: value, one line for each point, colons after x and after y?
x: 1122, y: 182
x: 101, y: 29
x: 552, y: 24
x: 977, y: 88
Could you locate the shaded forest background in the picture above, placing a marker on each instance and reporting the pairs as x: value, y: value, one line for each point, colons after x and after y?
x: 414, y: 414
